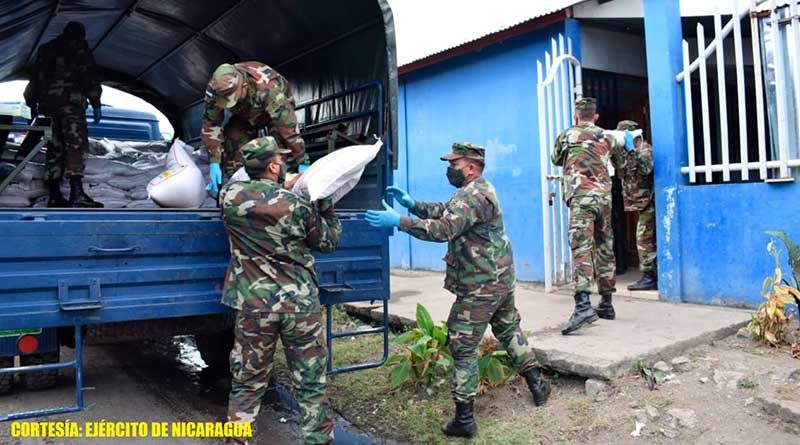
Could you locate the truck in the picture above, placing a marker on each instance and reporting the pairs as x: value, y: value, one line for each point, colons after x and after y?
x: 68, y: 276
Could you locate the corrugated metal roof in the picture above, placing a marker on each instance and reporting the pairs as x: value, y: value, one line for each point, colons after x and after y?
x: 429, y: 27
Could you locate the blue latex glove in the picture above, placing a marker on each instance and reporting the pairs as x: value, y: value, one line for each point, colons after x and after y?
x: 387, y: 218
x: 98, y: 114
x: 629, y: 140
x: 401, y: 196
x: 215, y: 173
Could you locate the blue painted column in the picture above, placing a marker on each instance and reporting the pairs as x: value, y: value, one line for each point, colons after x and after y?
x: 663, y: 36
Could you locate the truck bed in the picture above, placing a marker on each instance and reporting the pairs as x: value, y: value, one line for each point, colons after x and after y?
x: 67, y: 267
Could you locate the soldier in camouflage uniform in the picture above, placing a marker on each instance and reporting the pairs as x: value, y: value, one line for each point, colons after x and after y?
x: 273, y: 287
x: 480, y: 272
x: 63, y: 78
x: 637, y: 187
x: 256, y: 96
x: 585, y: 153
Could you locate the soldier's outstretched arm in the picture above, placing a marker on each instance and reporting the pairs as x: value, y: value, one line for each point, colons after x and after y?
x: 211, y: 131
x: 461, y: 213
x: 429, y: 210
x: 323, y: 228
x: 284, y: 123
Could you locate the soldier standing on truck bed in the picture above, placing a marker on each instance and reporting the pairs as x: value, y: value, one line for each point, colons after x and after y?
x: 585, y: 153
x: 480, y: 272
x: 256, y: 96
x: 63, y: 78
x: 273, y: 287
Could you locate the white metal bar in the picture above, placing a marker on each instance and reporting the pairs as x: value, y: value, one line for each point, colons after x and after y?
x: 687, y: 99
x: 704, y: 103
x: 544, y: 163
x: 564, y: 67
x: 754, y: 165
x: 551, y: 127
x: 780, y: 91
x: 706, y: 51
x: 759, y: 87
x: 565, y: 211
x: 723, y: 101
x: 557, y: 122
x: 740, y: 94
x: 795, y: 55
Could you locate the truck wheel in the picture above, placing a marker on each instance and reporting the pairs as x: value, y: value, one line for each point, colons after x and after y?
x: 215, y: 350
x: 6, y: 380
x: 43, y: 379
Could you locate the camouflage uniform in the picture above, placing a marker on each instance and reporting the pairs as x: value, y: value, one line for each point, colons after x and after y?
x: 584, y: 153
x: 63, y: 78
x: 637, y: 188
x: 272, y: 284
x: 266, y: 101
x: 480, y: 272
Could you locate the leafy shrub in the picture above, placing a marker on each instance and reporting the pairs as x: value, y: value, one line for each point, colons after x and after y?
x: 425, y: 359
x: 495, y: 366
x: 768, y: 322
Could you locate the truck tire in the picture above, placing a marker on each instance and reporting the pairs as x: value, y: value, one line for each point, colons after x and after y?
x: 6, y: 381
x: 215, y: 350
x: 39, y: 380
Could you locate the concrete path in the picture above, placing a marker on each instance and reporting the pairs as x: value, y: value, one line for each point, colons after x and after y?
x: 644, y: 329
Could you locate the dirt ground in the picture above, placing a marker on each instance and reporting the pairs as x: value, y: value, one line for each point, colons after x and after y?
x: 717, y: 397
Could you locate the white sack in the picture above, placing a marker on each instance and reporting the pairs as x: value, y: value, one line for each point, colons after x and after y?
x: 182, y: 185
x: 619, y: 135
x: 334, y: 175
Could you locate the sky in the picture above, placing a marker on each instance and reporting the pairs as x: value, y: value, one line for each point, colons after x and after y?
x: 423, y: 27
x: 12, y: 92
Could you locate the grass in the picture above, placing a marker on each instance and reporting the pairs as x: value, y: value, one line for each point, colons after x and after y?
x: 747, y: 383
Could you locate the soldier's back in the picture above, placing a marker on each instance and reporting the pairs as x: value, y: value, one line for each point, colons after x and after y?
x: 586, y: 165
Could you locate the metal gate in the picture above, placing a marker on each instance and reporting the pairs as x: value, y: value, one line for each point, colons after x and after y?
x: 559, y: 85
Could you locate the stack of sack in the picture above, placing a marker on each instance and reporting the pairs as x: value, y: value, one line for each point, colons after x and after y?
x: 117, y: 174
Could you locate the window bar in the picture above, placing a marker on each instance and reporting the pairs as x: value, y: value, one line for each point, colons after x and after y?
x: 780, y: 90
x: 759, y: 87
x: 739, y: 55
x: 704, y: 102
x: 723, y: 101
x: 687, y: 99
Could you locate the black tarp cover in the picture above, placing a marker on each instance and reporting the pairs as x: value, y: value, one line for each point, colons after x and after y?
x: 165, y: 50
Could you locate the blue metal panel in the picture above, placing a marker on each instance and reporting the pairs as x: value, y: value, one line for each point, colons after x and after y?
x: 663, y: 37
x: 134, y: 265
x: 724, y: 257
x: 487, y: 97
x: 124, y: 125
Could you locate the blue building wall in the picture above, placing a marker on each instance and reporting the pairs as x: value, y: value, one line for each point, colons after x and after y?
x: 487, y: 97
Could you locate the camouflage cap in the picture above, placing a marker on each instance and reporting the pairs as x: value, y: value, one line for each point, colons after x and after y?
x: 586, y: 105
x: 258, y: 152
x: 627, y: 125
x: 225, y: 85
x: 465, y: 150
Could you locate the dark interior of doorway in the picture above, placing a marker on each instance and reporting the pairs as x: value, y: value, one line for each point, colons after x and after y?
x: 620, y: 97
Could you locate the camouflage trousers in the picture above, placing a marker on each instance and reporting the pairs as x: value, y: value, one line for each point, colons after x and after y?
x: 466, y: 325
x: 646, y: 237
x: 66, y: 154
x: 302, y: 334
x: 591, y: 240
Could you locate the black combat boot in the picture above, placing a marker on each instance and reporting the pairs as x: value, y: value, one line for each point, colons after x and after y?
x: 56, y: 199
x: 649, y: 281
x: 463, y: 425
x: 539, y: 388
x: 77, y: 197
x: 584, y: 313
x: 605, y: 310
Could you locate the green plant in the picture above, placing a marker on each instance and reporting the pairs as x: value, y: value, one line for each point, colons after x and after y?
x: 425, y: 358
x: 768, y: 321
x: 653, y: 376
x: 747, y: 383
x: 495, y: 366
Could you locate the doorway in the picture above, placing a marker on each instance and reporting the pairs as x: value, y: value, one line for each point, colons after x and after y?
x: 620, y: 97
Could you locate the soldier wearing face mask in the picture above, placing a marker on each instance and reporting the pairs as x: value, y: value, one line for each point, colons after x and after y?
x: 480, y: 272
